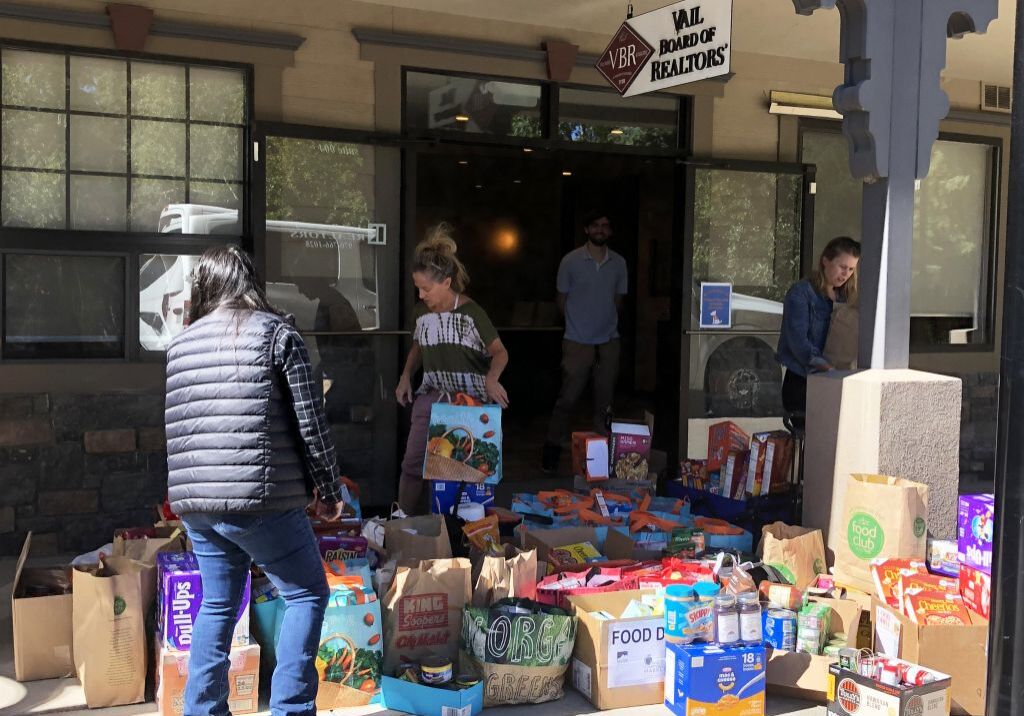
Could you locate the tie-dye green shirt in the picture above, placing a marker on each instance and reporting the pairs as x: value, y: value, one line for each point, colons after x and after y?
x: 453, y: 345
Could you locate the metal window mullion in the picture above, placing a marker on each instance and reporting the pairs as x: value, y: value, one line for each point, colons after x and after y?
x: 188, y: 133
x: 128, y: 148
x: 67, y: 142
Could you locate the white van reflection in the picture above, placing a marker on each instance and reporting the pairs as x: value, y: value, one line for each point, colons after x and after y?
x: 324, y: 274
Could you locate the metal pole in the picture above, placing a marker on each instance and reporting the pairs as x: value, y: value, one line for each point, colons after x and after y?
x: 1006, y: 653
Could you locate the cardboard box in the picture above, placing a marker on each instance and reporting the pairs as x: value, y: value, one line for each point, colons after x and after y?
x: 243, y: 680
x: 975, y: 524
x: 734, y: 475
x: 976, y: 589
x: 943, y: 557
x: 806, y: 675
x: 339, y: 546
x: 179, y: 596
x: 423, y: 700
x: 42, y: 624
x: 630, y: 450
x: 961, y: 652
x: 723, y: 438
x: 621, y: 662
x: 704, y: 679
x: 850, y: 694
x: 590, y: 457
x: 444, y: 492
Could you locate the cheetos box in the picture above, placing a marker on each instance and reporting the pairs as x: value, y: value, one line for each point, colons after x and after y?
x: 706, y: 679
x: 243, y: 680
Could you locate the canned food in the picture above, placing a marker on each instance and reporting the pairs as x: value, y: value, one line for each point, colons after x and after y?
x: 889, y: 674
x: 849, y: 659
x: 783, y: 596
x: 780, y: 629
x: 918, y: 676
x: 436, y: 670
x: 407, y: 671
x: 465, y: 681
x: 868, y: 667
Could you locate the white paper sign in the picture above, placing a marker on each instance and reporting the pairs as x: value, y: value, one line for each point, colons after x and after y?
x: 887, y: 632
x: 690, y: 42
x: 636, y: 653
x: 581, y: 678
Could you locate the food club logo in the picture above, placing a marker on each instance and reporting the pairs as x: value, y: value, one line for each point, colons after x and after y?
x: 848, y: 695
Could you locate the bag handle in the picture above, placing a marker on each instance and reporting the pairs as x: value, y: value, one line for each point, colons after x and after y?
x: 639, y: 520
x: 472, y: 440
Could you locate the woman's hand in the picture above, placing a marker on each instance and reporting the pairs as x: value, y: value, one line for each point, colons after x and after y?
x: 496, y: 392
x: 404, y: 390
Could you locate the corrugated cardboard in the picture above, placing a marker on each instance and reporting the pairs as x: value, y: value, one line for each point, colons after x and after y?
x: 961, y: 652
x: 243, y: 680
x: 590, y: 456
x: 618, y: 663
x: 806, y: 675
x: 544, y: 540
x: 42, y: 625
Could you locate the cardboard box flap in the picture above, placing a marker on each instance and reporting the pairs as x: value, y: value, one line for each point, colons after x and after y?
x: 22, y: 558
x: 544, y: 540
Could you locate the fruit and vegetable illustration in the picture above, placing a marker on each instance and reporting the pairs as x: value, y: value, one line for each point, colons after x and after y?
x: 464, y: 443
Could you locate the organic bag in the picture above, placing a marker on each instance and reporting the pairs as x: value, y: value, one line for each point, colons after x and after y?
x: 464, y: 443
x: 796, y: 552
x: 883, y: 517
x: 423, y: 611
x: 519, y: 652
x: 513, y: 574
x: 109, y: 605
x: 415, y: 538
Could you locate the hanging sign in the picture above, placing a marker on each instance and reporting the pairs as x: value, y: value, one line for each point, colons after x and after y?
x: 716, y: 305
x: 684, y: 42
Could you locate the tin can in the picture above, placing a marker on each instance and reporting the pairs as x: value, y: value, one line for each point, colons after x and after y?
x: 407, y: 671
x: 917, y: 676
x: 831, y: 651
x: 780, y: 629
x: 465, y: 681
x: 868, y: 667
x: 849, y: 659
x: 782, y: 596
x: 436, y: 671
x: 889, y: 674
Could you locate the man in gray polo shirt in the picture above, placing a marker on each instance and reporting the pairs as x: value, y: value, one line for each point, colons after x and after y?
x: 591, y: 283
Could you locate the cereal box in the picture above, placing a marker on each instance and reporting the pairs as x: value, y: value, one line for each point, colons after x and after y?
x: 630, y: 448
x: 931, y: 609
x: 942, y: 557
x: 243, y: 680
x: 975, y: 524
x: 886, y: 574
x: 976, y: 588
x: 704, y: 679
x: 723, y: 438
x: 573, y: 555
x: 913, y: 582
x: 179, y: 596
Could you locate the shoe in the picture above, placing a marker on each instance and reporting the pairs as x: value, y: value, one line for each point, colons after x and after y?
x: 549, y: 461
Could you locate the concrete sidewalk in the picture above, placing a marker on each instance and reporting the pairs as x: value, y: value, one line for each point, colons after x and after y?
x: 65, y: 696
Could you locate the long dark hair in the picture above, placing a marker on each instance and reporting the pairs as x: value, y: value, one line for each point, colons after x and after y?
x: 226, y: 277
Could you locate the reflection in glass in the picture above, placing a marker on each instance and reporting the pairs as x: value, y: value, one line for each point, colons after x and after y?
x: 165, y: 294
x: 158, y: 90
x: 465, y: 104
x: 158, y: 148
x: 217, y: 95
x: 33, y: 79
x: 215, y: 152
x: 63, y: 306
x: 220, y: 194
x: 33, y: 139
x: 98, y: 85
x: 594, y: 117
x: 98, y: 144
x: 33, y: 200
x: 98, y: 203
x: 150, y: 197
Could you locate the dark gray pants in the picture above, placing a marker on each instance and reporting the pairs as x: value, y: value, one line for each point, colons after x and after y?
x: 580, y: 362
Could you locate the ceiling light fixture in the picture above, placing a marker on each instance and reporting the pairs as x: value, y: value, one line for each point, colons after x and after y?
x: 527, y: 149
x: 462, y: 118
x: 567, y: 173
x: 617, y: 131
x: 463, y: 162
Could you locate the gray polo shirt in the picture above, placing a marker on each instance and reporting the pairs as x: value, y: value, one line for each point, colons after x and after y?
x: 591, y: 288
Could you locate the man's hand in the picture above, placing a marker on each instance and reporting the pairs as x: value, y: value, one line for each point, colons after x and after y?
x: 328, y: 512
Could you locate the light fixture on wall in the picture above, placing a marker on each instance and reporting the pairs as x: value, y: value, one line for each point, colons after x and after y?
x: 567, y: 173
x: 617, y: 131
x: 527, y: 150
x: 463, y: 162
x: 462, y: 118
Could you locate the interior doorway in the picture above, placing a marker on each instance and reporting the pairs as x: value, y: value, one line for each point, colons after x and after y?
x: 515, y: 213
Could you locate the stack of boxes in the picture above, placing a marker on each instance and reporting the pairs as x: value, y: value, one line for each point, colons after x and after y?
x: 975, y: 526
x: 179, y: 596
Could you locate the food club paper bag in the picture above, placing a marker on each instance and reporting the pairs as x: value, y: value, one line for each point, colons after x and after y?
x: 423, y: 611
x: 797, y: 552
x: 109, y: 604
x: 883, y: 517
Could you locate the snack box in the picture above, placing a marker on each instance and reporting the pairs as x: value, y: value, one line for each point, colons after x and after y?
x: 723, y: 438
x: 630, y: 449
x: 423, y: 700
x: 975, y: 525
x: 976, y: 589
x: 850, y: 694
x: 179, y: 596
x: 704, y: 679
x: 943, y: 557
x: 572, y: 555
x: 443, y: 494
x: 243, y: 680
x: 335, y: 547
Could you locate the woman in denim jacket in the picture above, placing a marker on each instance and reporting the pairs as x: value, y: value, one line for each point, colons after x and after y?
x: 807, y: 313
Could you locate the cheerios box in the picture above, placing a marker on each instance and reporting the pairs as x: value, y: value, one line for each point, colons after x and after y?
x: 705, y: 679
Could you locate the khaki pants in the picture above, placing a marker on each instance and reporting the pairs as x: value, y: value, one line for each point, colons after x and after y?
x: 579, y: 363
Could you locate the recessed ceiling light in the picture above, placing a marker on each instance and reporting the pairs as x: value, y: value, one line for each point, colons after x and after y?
x: 517, y: 181
x: 567, y: 173
x: 479, y: 186
x: 462, y: 118
x: 527, y: 149
x: 463, y: 162
x: 617, y: 132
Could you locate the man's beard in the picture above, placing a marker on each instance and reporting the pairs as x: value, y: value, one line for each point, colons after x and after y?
x: 598, y: 240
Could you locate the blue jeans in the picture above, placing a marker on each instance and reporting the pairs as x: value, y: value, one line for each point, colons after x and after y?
x: 283, y: 545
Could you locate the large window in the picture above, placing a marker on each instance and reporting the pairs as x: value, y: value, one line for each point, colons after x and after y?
x: 951, y: 289
x: 132, y: 162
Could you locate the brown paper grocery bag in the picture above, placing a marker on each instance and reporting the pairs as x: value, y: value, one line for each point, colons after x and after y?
x: 797, y: 552
x: 841, y: 342
x: 423, y: 611
x: 423, y: 537
x: 109, y: 605
x: 513, y: 574
x: 883, y: 517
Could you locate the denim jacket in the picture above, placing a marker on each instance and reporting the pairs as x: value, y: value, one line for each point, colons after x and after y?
x: 805, y: 319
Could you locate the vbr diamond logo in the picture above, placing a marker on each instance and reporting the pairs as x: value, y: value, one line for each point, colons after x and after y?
x: 624, y: 57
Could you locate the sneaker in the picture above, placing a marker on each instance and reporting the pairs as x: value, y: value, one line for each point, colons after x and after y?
x: 549, y: 461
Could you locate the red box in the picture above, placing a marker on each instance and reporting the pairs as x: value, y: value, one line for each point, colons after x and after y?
x: 724, y: 438
x: 976, y: 589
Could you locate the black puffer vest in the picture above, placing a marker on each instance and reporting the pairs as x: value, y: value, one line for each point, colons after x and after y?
x: 232, y: 439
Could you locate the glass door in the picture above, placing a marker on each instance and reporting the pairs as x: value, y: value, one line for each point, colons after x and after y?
x: 748, y: 233
x: 327, y: 238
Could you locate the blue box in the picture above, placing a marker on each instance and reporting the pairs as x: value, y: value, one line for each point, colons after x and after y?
x: 443, y: 492
x: 704, y: 679
x: 424, y: 700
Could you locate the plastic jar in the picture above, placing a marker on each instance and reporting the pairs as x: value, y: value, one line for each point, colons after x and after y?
x: 750, y: 619
x: 703, y: 620
x: 680, y: 600
x: 727, y: 620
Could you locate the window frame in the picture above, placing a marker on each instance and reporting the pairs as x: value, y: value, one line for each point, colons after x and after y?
x: 990, y: 244
x: 126, y: 243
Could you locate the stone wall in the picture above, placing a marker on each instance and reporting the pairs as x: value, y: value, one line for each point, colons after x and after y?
x: 978, y: 419
x: 73, y: 468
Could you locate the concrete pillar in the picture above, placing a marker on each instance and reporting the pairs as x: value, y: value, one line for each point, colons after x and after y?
x: 904, y: 423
